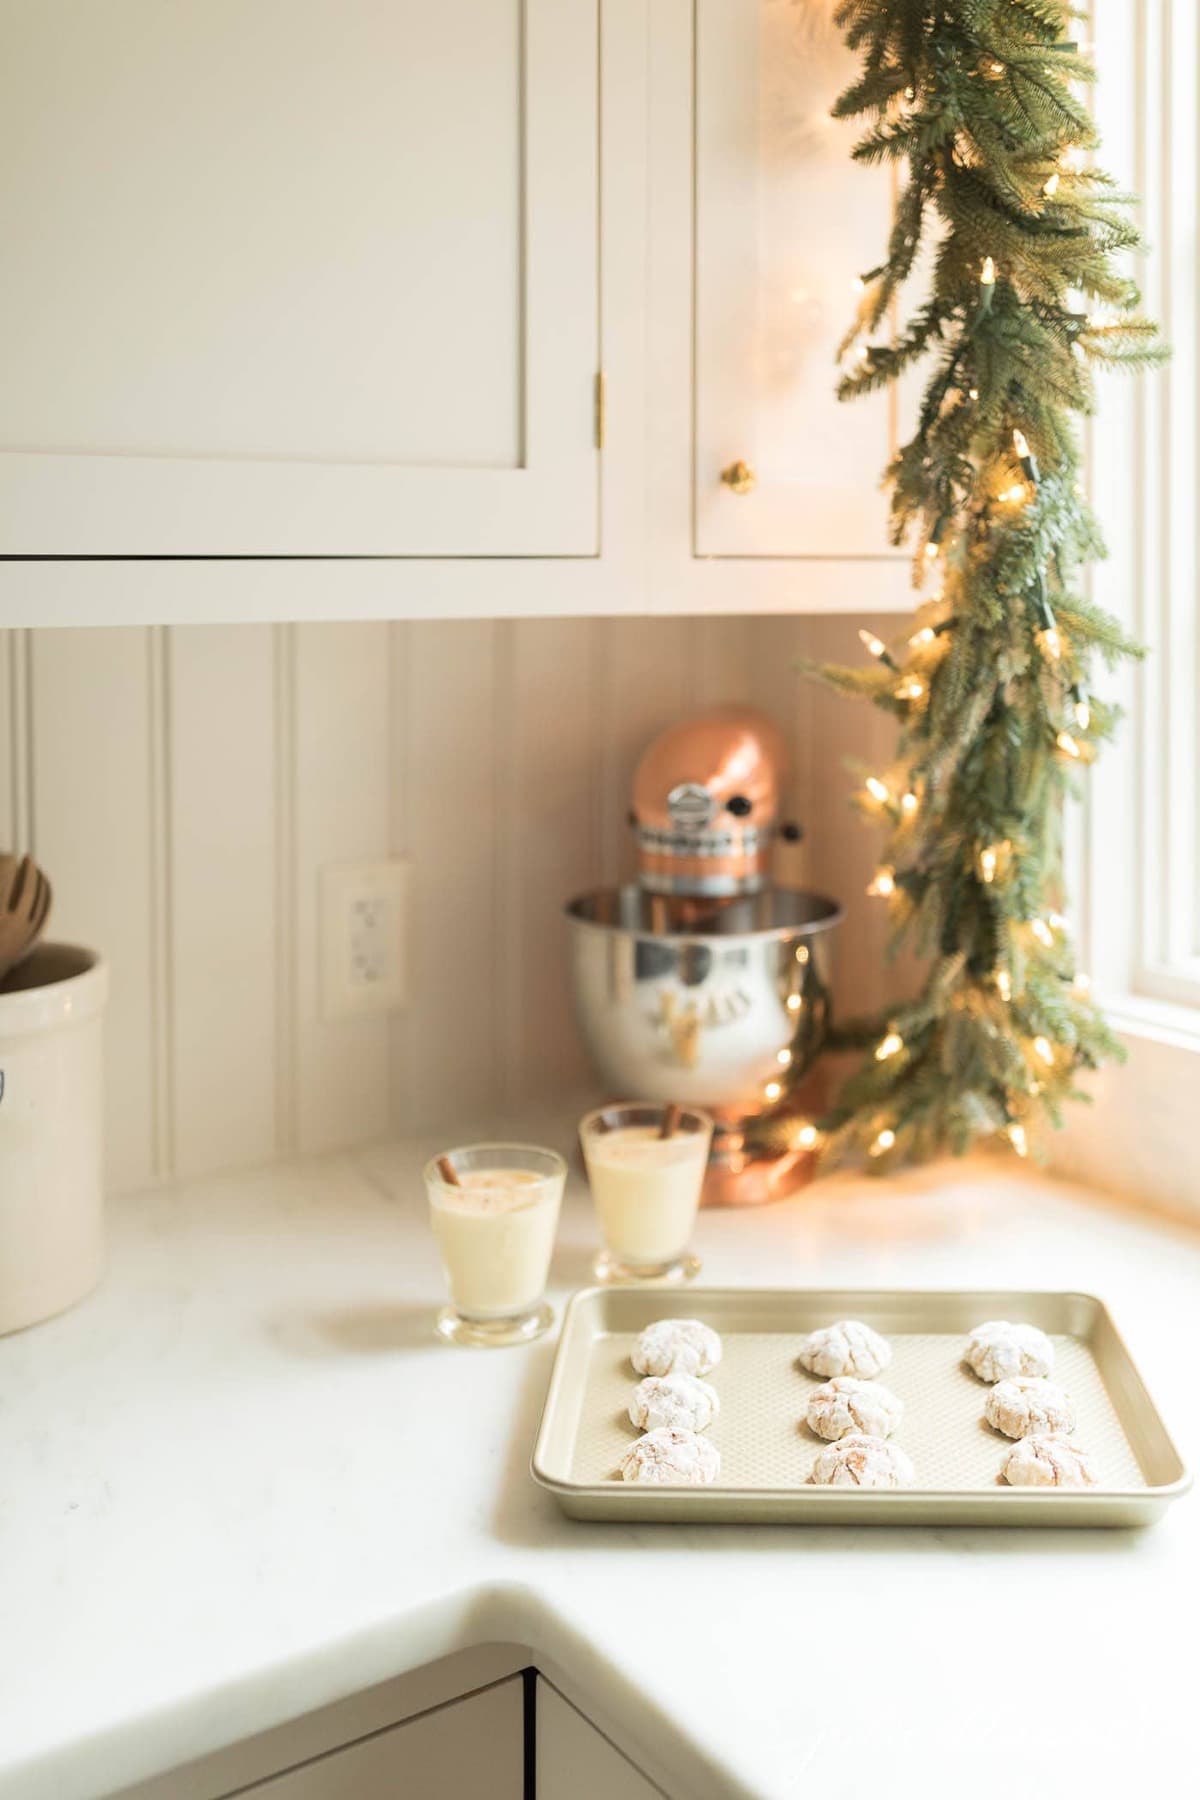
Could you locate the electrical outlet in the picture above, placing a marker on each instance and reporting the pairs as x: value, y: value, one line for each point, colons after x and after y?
x: 364, y: 937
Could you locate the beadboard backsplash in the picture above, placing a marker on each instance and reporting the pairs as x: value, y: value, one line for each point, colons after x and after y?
x: 183, y: 788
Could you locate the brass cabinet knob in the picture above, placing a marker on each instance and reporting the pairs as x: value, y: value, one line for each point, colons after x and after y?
x: 739, y: 478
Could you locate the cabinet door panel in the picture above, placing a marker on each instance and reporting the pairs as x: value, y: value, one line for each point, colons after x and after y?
x: 785, y: 223
x: 472, y: 1746
x: 298, y: 277
x: 577, y: 1762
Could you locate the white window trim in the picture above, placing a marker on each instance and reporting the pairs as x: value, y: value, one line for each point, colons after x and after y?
x: 1133, y: 846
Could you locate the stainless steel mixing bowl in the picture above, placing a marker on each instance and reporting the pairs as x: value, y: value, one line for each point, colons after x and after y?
x: 727, y: 1012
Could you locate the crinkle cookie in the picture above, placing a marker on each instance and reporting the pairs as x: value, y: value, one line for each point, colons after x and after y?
x: 864, y: 1462
x: 672, y: 1457
x: 845, y: 1404
x: 1048, y: 1462
x: 676, y: 1347
x: 1029, y: 1405
x: 674, y: 1400
x: 997, y: 1350
x: 847, y: 1348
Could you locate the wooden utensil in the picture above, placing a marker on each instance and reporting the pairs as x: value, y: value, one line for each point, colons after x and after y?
x: 25, y: 896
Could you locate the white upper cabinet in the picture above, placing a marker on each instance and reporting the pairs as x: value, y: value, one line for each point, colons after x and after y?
x: 785, y: 223
x: 299, y: 278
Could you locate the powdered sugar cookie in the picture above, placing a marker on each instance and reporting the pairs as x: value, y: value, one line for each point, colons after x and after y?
x: 1029, y: 1405
x: 847, y: 1348
x: 1048, y: 1462
x: 845, y: 1405
x: 863, y: 1462
x: 672, y: 1457
x: 676, y: 1347
x: 674, y: 1400
x: 997, y: 1350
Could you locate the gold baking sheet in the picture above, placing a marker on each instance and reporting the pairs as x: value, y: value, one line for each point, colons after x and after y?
x: 767, y: 1451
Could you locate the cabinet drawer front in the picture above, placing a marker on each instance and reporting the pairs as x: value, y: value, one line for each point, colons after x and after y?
x: 298, y: 277
x: 785, y: 223
x: 469, y: 1747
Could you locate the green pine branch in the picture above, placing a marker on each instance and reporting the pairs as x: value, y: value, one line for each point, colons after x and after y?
x: 981, y: 106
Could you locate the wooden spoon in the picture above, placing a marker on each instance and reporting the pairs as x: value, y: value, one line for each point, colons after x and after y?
x: 25, y: 896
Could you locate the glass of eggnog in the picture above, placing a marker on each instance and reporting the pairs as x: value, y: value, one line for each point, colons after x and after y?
x: 494, y: 1209
x: 645, y: 1164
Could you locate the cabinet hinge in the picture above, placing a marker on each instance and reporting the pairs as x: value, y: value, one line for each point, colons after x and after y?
x: 601, y: 403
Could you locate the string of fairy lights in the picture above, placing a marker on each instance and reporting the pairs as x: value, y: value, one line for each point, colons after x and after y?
x: 994, y: 862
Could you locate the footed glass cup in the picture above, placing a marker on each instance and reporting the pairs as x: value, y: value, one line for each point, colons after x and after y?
x: 646, y: 1187
x: 495, y: 1223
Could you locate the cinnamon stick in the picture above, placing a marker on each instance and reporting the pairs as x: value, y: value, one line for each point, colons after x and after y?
x: 448, y: 1172
x: 670, y: 1121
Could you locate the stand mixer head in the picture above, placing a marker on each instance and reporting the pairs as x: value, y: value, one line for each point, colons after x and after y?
x: 706, y: 801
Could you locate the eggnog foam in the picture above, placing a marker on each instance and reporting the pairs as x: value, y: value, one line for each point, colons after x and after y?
x: 494, y: 1190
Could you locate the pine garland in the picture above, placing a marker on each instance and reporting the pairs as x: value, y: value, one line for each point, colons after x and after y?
x: 978, y: 101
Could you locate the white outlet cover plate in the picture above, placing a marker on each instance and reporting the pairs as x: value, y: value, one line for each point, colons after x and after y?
x: 363, y: 940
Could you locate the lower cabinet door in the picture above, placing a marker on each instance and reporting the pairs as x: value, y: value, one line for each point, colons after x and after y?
x: 470, y: 1747
x: 577, y: 1762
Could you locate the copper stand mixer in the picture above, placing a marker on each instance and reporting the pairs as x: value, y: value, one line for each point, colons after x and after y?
x: 703, y: 982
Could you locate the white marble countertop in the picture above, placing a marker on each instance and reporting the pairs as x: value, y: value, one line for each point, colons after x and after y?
x: 243, y: 1480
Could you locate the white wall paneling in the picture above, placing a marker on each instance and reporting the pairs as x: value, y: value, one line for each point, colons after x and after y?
x: 342, y: 813
x: 94, y: 827
x: 445, y: 697
x: 186, y: 786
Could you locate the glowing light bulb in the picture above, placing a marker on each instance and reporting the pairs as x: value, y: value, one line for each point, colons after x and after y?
x: 783, y: 1058
x: 1083, y: 983
x: 873, y: 645
x: 932, y: 551
x: 1004, y: 984
x: 909, y: 804
x: 925, y: 636
x: 772, y: 1090
x: 1083, y: 714
x: 891, y: 1045
x: 1018, y: 1140
x: 1042, y: 933
x: 1067, y: 744
x: 1050, y: 187
x: 858, y: 283
x: 883, y: 883
x: 912, y: 689
x: 794, y: 1002
x: 1056, y: 921
x: 1049, y: 642
x: 989, y: 859
x: 972, y: 393
x: 884, y: 1141
x: 877, y: 789
x: 802, y: 953
x: 1021, y: 445
x: 1045, y: 1050
x: 1011, y: 496
x: 987, y: 276
x: 807, y: 1136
